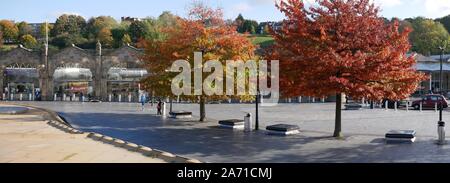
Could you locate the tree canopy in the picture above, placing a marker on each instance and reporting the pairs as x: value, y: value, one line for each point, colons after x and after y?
x: 445, y: 21
x: 69, y: 24
x: 28, y: 41
x: 9, y: 29
x: 24, y: 28
x: 342, y: 46
x: 204, y: 31
x: 427, y: 35
x: 245, y: 26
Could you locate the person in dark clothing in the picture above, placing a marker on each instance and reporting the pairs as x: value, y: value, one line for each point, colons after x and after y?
x: 81, y: 97
x: 159, y: 107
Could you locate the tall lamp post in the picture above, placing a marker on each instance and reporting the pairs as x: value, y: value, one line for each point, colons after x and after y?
x: 441, y: 123
x: 258, y: 96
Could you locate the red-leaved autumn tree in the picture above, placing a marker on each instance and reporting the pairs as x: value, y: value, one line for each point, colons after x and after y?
x: 203, y: 31
x: 340, y: 47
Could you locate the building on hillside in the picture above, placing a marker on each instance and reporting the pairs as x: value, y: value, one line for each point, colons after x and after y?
x: 129, y: 19
x: 274, y: 25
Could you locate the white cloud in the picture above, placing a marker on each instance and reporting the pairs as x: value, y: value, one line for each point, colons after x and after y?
x: 437, y: 8
x: 265, y: 2
x: 242, y: 7
x: 387, y: 3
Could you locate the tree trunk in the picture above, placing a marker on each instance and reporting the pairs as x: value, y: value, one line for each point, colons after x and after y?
x: 202, y: 109
x: 337, y: 126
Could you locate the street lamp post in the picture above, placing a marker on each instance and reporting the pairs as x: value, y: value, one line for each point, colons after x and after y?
x: 441, y: 123
x: 258, y: 96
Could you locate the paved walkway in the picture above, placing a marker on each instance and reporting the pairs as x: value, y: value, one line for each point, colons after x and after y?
x: 364, y: 131
x: 27, y: 138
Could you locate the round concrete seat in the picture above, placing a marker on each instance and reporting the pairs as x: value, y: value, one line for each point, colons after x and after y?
x: 107, y: 139
x: 282, y: 127
x: 131, y: 146
x: 232, y: 122
x: 95, y: 136
x: 146, y: 151
x: 118, y: 142
x: 180, y: 113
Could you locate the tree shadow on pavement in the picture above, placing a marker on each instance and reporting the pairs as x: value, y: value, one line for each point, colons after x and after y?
x: 205, y: 142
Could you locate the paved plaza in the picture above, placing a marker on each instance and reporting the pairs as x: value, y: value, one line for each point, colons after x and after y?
x: 27, y: 138
x: 364, y: 132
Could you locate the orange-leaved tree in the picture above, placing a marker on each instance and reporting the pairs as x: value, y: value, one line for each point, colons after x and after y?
x: 337, y: 47
x: 203, y: 31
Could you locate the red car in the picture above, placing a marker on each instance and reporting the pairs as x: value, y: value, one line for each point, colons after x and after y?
x: 430, y: 101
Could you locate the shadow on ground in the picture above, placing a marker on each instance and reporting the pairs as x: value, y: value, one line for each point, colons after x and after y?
x: 208, y: 143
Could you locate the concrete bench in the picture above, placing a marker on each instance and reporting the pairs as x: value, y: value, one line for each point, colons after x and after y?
x: 180, y: 114
x: 400, y: 136
x: 232, y: 124
x: 353, y: 107
x: 283, y: 129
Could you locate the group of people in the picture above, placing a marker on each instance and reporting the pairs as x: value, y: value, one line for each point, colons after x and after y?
x: 158, y: 106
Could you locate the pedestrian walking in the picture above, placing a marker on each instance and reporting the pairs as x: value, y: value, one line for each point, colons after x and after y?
x: 143, y: 98
x: 159, y: 106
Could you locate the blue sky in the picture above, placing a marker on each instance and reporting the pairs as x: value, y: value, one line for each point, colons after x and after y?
x: 260, y: 10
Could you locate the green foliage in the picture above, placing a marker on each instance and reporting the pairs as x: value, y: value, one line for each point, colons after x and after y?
x: 249, y: 26
x: 138, y: 30
x: 24, y: 29
x: 69, y: 24
x: 42, y: 31
x: 262, y: 41
x: 445, y: 21
x: 66, y: 40
x: 1, y: 38
x: 150, y: 28
x: 97, y: 24
x: 427, y: 36
x: 118, y: 35
x: 246, y: 26
x: 126, y: 39
x: 28, y: 41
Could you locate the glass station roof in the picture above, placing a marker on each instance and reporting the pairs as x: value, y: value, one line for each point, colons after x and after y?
x: 125, y: 74
x: 72, y: 74
x: 22, y: 72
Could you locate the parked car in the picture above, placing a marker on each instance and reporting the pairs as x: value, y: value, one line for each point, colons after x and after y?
x: 430, y: 101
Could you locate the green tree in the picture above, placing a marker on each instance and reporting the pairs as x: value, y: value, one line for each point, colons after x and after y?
x: 167, y: 19
x: 70, y: 24
x: 239, y: 21
x: 445, y: 21
x: 117, y: 35
x: 1, y: 38
x: 66, y: 40
x: 10, y: 30
x: 126, y: 39
x: 138, y: 30
x: 427, y: 36
x: 249, y: 26
x: 24, y: 28
x: 43, y: 30
x: 243, y: 25
x: 97, y: 24
x: 28, y: 41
